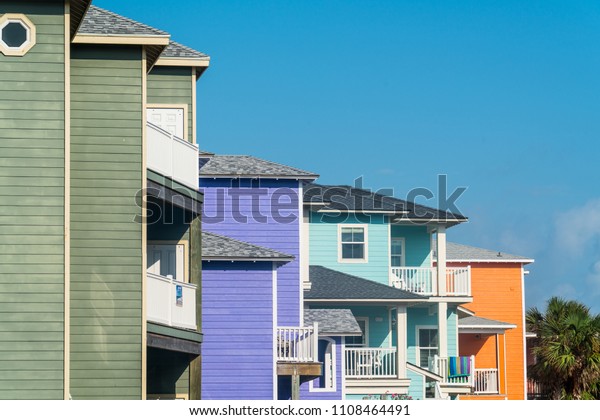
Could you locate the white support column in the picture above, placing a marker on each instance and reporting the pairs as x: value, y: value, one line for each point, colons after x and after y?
x: 443, y: 328
x: 441, y: 260
x: 401, y: 345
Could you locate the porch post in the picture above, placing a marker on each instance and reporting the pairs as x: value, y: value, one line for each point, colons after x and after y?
x: 443, y: 328
x: 441, y: 260
x: 401, y: 342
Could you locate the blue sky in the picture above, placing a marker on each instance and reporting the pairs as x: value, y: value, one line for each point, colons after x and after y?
x: 502, y: 96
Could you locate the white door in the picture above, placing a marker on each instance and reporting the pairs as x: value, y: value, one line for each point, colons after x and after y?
x: 167, y: 260
x: 169, y: 119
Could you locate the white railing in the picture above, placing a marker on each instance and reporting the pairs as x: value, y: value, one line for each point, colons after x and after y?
x: 423, y: 280
x: 365, y: 362
x: 172, y: 157
x: 458, y: 281
x: 486, y: 381
x: 171, y: 302
x: 440, y: 367
x: 297, y: 344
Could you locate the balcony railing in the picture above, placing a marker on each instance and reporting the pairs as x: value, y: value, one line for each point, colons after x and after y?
x: 486, y: 381
x: 367, y: 363
x: 440, y: 367
x: 423, y: 280
x: 297, y: 344
x: 172, y: 157
x: 171, y: 302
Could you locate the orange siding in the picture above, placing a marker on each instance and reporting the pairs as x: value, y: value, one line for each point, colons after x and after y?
x: 482, y: 346
x: 497, y: 294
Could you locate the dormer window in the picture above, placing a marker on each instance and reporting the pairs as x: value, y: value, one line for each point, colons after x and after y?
x: 17, y: 34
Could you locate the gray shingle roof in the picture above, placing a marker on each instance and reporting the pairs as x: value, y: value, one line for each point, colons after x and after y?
x: 177, y: 50
x: 478, y: 322
x: 99, y: 21
x: 328, y: 284
x: 236, y: 166
x: 219, y: 247
x: 460, y: 252
x: 333, y: 321
x: 344, y: 198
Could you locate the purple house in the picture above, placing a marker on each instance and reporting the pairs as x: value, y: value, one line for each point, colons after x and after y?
x: 258, y: 339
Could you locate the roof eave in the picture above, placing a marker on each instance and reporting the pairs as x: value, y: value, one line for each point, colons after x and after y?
x: 121, y: 39
x: 245, y: 259
x: 262, y: 176
x: 354, y: 300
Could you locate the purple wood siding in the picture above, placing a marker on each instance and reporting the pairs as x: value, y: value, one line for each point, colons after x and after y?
x: 305, y: 393
x: 248, y: 212
x: 237, y: 322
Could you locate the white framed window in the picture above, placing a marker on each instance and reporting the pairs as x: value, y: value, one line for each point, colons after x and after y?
x: 168, y: 260
x: 17, y: 34
x: 363, y: 339
x: 353, y: 243
x: 427, y: 346
x: 327, y: 381
x: 397, y: 252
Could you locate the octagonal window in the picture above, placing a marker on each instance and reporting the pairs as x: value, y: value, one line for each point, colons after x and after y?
x: 14, y: 34
x: 17, y: 34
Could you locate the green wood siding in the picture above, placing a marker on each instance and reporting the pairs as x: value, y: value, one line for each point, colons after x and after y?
x: 106, y: 244
x: 172, y: 85
x: 32, y: 120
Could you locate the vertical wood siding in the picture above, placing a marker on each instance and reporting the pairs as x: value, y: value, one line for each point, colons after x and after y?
x: 172, y: 85
x: 270, y: 233
x: 237, y: 322
x: 32, y: 119
x: 106, y: 260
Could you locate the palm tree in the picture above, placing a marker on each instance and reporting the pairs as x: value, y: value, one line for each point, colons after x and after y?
x: 567, y: 349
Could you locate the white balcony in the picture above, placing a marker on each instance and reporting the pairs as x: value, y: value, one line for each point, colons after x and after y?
x: 486, y: 381
x: 172, y: 157
x: 171, y: 302
x: 297, y: 344
x: 423, y: 280
x: 370, y: 363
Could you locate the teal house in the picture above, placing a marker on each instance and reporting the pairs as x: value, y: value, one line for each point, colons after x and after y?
x: 374, y: 255
x: 100, y: 246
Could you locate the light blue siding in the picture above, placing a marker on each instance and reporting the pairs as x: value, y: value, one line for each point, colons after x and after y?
x: 324, y: 245
x: 417, y: 244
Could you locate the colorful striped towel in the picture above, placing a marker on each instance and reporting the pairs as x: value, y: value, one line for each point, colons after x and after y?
x: 459, y: 366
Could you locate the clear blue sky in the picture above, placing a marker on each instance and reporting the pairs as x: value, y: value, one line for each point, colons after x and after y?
x: 503, y: 96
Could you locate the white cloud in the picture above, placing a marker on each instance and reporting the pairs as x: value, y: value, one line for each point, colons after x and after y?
x: 576, y: 229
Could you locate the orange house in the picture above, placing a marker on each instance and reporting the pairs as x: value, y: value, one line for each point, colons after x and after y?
x: 492, y: 327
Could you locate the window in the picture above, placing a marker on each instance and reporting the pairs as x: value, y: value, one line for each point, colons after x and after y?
x: 353, y: 243
x: 397, y: 252
x: 428, y: 346
x: 167, y: 260
x: 17, y: 34
x: 363, y: 339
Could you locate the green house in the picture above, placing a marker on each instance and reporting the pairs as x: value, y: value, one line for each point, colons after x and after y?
x: 100, y: 243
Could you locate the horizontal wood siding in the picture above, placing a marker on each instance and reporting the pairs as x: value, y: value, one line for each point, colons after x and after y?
x: 172, y: 85
x: 324, y: 245
x: 497, y: 294
x: 106, y: 246
x: 264, y: 229
x: 237, y: 322
x: 32, y: 138
x: 417, y: 242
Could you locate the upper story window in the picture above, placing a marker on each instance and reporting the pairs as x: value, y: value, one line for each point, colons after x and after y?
x: 353, y: 243
x: 17, y: 34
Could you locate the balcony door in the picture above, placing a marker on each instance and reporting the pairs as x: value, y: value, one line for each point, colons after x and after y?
x: 171, y: 120
x: 167, y: 260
